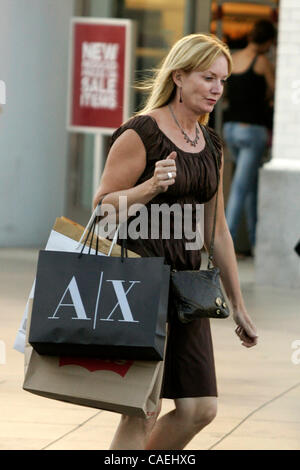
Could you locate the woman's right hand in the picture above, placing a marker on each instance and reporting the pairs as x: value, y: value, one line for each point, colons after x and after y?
x: 161, y: 179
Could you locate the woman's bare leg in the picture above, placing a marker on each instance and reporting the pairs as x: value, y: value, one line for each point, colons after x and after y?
x: 177, y: 428
x: 133, y: 433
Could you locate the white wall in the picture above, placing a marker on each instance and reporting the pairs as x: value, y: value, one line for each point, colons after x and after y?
x: 278, y: 230
x: 287, y: 103
x: 33, y: 137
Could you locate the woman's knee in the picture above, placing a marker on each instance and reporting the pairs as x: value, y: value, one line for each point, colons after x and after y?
x: 198, y: 412
x: 205, y: 416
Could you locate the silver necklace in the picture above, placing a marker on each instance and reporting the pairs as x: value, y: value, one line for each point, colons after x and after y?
x: 186, y: 137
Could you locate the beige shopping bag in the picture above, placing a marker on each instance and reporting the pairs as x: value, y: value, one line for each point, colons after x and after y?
x: 73, y: 230
x: 127, y: 387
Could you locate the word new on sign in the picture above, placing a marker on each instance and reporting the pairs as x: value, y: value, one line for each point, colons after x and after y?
x: 2, y: 92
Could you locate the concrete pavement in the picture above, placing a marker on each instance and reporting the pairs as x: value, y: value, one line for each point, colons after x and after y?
x: 259, y: 389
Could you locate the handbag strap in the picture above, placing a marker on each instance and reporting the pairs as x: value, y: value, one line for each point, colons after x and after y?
x: 213, y: 152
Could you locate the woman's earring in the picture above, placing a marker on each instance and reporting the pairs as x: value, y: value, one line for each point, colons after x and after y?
x: 180, y: 95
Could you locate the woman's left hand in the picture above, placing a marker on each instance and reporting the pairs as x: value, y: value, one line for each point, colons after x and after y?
x: 245, y: 330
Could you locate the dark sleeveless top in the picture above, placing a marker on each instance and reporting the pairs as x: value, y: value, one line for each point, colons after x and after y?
x: 246, y: 93
x: 196, y: 183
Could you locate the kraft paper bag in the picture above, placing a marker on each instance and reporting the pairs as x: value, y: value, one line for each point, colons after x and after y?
x: 65, y: 236
x: 124, y: 386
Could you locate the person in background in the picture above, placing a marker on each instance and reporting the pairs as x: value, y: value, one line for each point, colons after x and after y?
x: 249, y: 88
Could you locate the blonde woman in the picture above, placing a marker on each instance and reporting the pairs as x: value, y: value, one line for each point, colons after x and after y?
x: 160, y: 157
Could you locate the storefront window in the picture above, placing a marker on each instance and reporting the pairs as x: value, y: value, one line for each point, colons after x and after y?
x: 232, y: 21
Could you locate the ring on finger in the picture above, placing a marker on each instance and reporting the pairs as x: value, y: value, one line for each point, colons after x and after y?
x: 170, y: 176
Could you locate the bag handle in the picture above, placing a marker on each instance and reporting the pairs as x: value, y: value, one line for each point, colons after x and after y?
x: 213, y: 152
x: 89, y: 225
x: 90, y: 228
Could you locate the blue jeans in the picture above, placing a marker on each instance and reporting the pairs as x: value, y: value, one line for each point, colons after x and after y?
x: 247, y: 143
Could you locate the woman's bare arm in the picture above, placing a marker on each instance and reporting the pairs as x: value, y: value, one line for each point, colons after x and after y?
x: 125, y: 164
x: 224, y: 258
x: 266, y: 68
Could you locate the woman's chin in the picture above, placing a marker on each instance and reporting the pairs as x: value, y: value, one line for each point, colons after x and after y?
x: 210, y: 108
x: 205, y: 109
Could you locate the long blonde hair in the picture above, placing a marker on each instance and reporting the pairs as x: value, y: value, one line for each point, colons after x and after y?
x: 195, y: 51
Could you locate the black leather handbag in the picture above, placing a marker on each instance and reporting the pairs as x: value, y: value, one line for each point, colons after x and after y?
x: 198, y: 294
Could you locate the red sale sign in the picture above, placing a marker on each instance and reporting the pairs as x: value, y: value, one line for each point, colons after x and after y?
x: 99, y: 74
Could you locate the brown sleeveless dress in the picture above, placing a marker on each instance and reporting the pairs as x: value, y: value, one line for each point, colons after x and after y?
x: 189, y: 364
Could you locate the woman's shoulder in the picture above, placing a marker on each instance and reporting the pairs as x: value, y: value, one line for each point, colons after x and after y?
x: 262, y: 64
x: 142, y: 124
x: 144, y: 127
x: 139, y: 121
x: 217, y: 142
x: 217, y: 139
x: 238, y: 59
x: 236, y: 55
